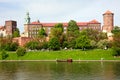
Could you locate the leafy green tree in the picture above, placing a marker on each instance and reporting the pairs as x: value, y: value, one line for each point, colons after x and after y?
x: 72, y: 33
x: 16, y: 33
x: 93, y: 44
x: 94, y: 34
x: 116, y: 51
x: 72, y: 26
x: 42, y: 33
x: 32, y: 45
x: 21, y: 51
x: 103, y: 44
x: 4, y: 54
x: 13, y: 46
x: 57, y: 30
x: 59, y: 25
x: 116, y: 29
x: 116, y: 39
x: 54, y: 44
x: 83, y: 42
x: 116, y: 44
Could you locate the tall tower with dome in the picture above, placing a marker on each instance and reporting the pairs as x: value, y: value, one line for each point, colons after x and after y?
x: 27, y: 18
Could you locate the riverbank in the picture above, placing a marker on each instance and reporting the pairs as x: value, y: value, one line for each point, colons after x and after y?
x: 56, y: 61
x: 76, y: 55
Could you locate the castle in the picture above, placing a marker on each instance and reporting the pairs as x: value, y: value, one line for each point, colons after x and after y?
x: 31, y: 28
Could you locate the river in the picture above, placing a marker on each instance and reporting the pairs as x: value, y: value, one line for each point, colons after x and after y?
x: 59, y: 71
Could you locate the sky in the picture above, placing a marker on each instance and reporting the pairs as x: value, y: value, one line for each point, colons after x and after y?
x: 57, y: 10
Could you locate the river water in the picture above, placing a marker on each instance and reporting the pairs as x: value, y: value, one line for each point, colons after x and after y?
x: 59, y: 71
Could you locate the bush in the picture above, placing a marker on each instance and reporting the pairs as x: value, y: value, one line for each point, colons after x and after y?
x: 21, y: 51
x: 4, y: 54
x: 54, y: 44
x: 116, y: 51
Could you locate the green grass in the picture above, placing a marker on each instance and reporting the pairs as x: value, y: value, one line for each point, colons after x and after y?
x: 95, y: 54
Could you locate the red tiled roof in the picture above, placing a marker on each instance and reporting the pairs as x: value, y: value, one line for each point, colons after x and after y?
x: 82, y: 23
x: 2, y: 28
x: 66, y: 24
x: 108, y: 12
x: 94, y: 21
x: 36, y: 22
x: 48, y: 24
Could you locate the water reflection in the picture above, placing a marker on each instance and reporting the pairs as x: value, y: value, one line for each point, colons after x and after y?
x: 59, y: 71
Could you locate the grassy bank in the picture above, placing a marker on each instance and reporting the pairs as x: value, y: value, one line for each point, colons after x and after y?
x: 95, y: 54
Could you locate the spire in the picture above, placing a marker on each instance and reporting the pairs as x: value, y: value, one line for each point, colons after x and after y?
x: 27, y: 18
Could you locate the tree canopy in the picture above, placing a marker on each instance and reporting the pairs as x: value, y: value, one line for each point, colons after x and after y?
x: 41, y: 33
x: 16, y: 33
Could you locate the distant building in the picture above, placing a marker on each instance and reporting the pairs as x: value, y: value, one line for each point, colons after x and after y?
x: 108, y: 21
x: 31, y: 28
x: 8, y: 29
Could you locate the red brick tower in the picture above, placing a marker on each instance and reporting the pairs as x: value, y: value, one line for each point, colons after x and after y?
x: 108, y: 21
x: 10, y: 27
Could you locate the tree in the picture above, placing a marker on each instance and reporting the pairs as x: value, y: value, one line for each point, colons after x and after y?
x: 54, y: 44
x: 82, y: 42
x: 41, y: 33
x: 94, y: 34
x: 72, y: 33
x: 32, y: 45
x: 4, y: 54
x: 103, y: 44
x: 16, y: 33
x: 72, y: 26
x: 21, y: 51
x: 57, y: 30
x: 116, y: 29
x: 13, y: 46
x: 93, y: 44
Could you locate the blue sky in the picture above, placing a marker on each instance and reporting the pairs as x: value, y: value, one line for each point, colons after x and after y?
x: 57, y: 10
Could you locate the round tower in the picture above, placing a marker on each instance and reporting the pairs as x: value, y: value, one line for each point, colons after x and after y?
x: 108, y: 21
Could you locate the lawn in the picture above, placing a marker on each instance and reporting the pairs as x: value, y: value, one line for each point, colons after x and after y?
x: 95, y: 54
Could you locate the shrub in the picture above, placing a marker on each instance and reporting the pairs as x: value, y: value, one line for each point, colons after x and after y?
x: 21, y: 51
x: 116, y: 51
x: 4, y: 54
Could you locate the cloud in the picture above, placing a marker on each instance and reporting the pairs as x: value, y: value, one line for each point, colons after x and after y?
x: 57, y: 10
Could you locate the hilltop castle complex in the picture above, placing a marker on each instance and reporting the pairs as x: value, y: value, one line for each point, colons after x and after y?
x: 31, y: 28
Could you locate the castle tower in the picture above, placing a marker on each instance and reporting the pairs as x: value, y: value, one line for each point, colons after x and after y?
x: 27, y: 18
x: 108, y: 21
x: 26, y: 25
x: 10, y: 27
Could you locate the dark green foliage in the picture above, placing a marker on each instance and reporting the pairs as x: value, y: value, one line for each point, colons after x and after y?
x: 20, y: 51
x: 116, y: 30
x: 103, y: 43
x: 57, y: 30
x: 116, y: 51
x: 116, y: 41
x: 72, y: 26
x: 16, y: 33
x: 32, y: 45
x: 82, y: 42
x: 42, y: 33
x: 45, y: 45
x: 94, y: 34
x: 13, y: 46
x: 59, y: 25
x: 7, y: 44
x: 54, y: 44
x: 4, y: 54
x: 65, y: 44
